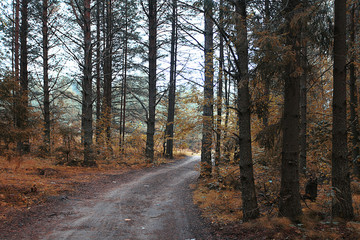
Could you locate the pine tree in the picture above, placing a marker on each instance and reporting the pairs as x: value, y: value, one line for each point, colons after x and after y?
x: 289, y: 204
x: 152, y: 15
x: 23, y: 111
x: 206, y: 143
x: 87, y: 101
x: 169, y: 132
x: 342, y: 204
x: 250, y: 207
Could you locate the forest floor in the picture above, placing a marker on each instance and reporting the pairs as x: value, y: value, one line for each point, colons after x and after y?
x: 220, y: 202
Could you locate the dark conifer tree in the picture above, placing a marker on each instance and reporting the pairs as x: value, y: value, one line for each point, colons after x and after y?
x: 342, y: 204
x: 289, y: 192
x: 169, y: 132
x: 206, y: 143
x: 152, y: 15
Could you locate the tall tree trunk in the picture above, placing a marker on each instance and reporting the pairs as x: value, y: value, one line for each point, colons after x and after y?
x: 227, y: 103
x: 124, y: 88
x: 149, y: 151
x: 108, y: 74
x: 266, y: 78
x: 220, y: 91
x: 23, y: 144
x: 206, y: 143
x: 289, y: 204
x: 250, y: 207
x: 45, y: 31
x: 303, y: 107
x: 86, y: 118
x: 169, y: 132
x: 98, y: 72
x: 227, y: 88
x: 353, y: 97
x: 16, y: 39
x: 342, y: 204
x: 16, y: 59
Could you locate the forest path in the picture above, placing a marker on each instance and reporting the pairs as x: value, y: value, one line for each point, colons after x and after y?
x: 150, y: 204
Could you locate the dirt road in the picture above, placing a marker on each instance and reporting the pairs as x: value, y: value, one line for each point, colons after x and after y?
x: 150, y: 204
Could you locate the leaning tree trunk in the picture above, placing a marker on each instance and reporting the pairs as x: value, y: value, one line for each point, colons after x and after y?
x: 206, y: 143
x: 169, y: 131
x: 87, y: 101
x: 289, y: 204
x: 149, y: 151
x: 250, y: 207
x: 342, y: 204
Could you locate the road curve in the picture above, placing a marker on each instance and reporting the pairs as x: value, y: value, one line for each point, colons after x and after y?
x: 153, y: 204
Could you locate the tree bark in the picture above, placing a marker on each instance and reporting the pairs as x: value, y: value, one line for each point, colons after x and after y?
x: 149, y: 151
x: 206, y: 143
x: 169, y: 132
x: 45, y: 32
x: 266, y: 78
x: 16, y: 39
x: 16, y: 45
x: 98, y: 72
x: 108, y: 74
x: 124, y: 88
x: 289, y: 204
x: 227, y: 91
x: 354, y: 121
x: 220, y: 90
x: 303, y: 108
x: 250, y: 207
x: 342, y: 204
x: 22, y: 120
x: 86, y: 117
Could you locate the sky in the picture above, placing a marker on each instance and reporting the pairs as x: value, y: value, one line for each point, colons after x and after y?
x: 190, y: 58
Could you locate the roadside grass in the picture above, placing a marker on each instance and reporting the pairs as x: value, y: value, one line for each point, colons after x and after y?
x: 28, y: 180
x: 218, y: 206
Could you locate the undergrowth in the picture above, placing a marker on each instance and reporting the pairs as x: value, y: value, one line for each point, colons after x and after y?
x: 220, y: 202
